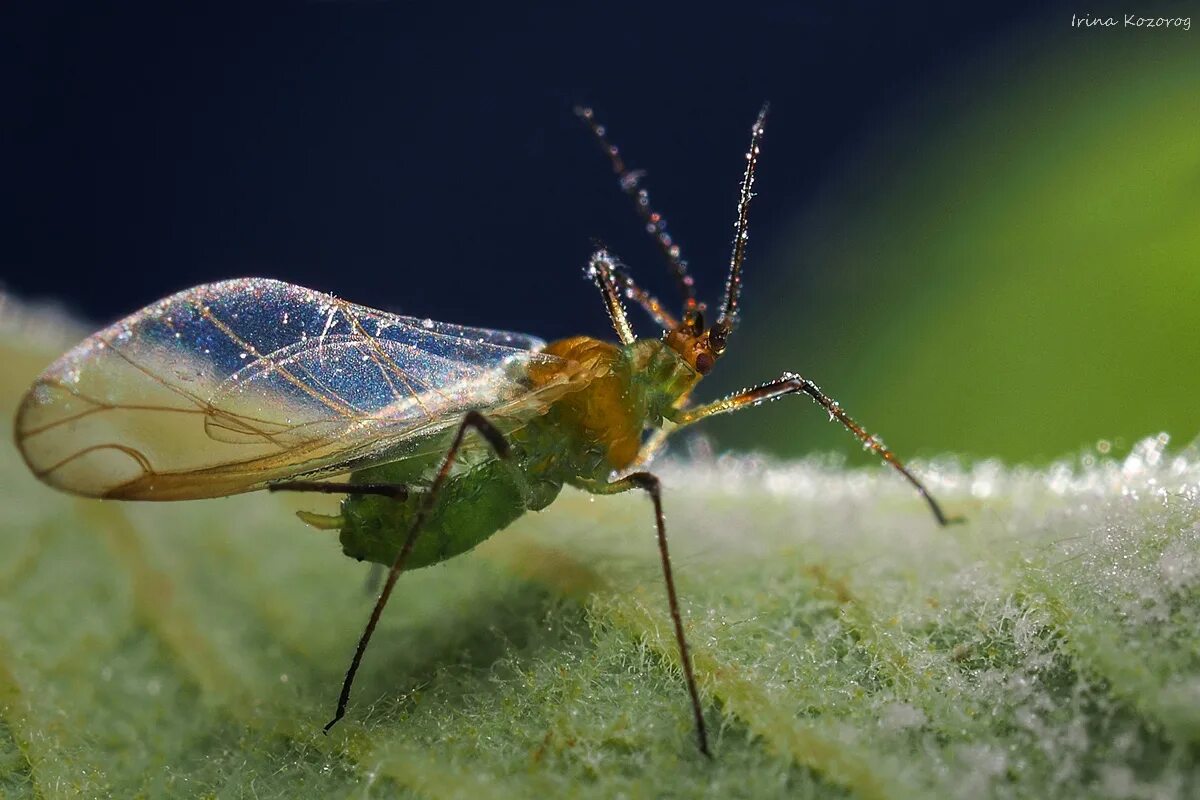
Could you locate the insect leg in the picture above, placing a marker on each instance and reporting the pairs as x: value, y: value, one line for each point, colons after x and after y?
x: 396, y: 491
x: 491, y: 433
x: 650, y: 482
x: 790, y: 383
x: 656, y: 224
x: 650, y: 448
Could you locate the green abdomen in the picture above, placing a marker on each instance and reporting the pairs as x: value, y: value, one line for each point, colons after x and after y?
x: 471, y: 506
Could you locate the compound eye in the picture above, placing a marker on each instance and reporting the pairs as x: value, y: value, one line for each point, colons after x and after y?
x: 716, y: 338
x: 704, y: 363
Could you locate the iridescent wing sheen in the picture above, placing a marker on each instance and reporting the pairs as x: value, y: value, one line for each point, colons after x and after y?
x: 229, y: 386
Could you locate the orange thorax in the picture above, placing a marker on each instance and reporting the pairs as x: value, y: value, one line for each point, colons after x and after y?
x: 607, y: 409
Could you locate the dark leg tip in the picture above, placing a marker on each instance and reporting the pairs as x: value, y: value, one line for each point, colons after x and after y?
x: 331, y: 723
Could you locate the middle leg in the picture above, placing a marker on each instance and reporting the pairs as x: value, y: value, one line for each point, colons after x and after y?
x: 653, y: 487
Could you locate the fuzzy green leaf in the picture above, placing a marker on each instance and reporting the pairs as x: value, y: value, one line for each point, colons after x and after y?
x: 845, y: 645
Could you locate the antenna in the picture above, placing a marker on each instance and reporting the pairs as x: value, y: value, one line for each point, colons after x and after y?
x: 656, y: 224
x: 733, y: 285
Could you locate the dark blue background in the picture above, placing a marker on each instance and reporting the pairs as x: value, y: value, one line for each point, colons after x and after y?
x: 425, y: 160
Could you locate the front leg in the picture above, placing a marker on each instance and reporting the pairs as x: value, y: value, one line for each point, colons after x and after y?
x: 791, y: 383
x: 649, y: 482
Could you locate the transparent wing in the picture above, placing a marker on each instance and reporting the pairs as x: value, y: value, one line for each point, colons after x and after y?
x: 228, y: 386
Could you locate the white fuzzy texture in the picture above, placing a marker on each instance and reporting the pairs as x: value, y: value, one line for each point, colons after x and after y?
x: 1047, y: 647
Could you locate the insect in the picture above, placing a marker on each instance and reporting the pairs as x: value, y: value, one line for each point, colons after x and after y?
x: 448, y: 433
